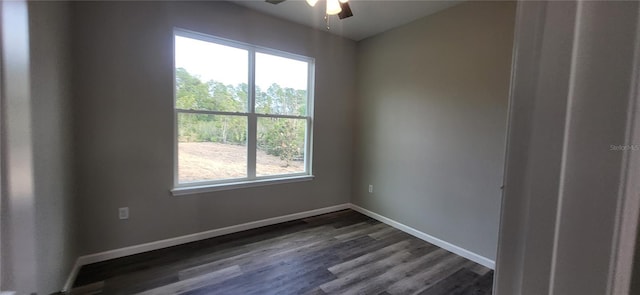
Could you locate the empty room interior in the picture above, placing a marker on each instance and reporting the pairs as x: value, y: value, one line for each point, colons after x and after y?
x: 319, y: 147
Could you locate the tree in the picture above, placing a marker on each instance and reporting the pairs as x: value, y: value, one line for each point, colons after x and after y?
x: 282, y: 137
x: 279, y: 137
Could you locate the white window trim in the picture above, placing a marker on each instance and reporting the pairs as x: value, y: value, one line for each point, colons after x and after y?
x: 251, y: 180
x: 198, y: 189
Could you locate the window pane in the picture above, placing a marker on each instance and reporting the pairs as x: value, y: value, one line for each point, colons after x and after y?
x: 281, y: 85
x: 210, y: 76
x: 211, y: 147
x: 280, y: 146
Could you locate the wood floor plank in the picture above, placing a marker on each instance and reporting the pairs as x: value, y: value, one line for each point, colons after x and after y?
x: 258, y: 250
x: 482, y: 286
x: 480, y: 269
x: 328, y: 218
x: 291, y: 267
x: 176, y: 254
x: 380, y: 283
x: 423, y: 249
x: 338, y: 253
x: 373, y: 268
x: 314, y: 247
x: 165, y: 274
x: 383, y: 232
x: 294, y: 279
x: 347, y: 266
x: 301, y: 284
x: 218, y: 245
x: 316, y: 291
x: 421, y: 280
x: 263, y: 281
x: 393, y: 233
x: 93, y: 288
x: 304, y: 254
x: 373, y: 246
x: 249, y: 256
x: 196, y: 282
x: 360, y: 232
x: 122, y: 285
x: 453, y: 284
x: 300, y: 237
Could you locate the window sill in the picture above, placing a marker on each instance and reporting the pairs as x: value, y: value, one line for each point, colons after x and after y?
x: 191, y: 190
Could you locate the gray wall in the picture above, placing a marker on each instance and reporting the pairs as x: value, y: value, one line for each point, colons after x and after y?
x: 123, y: 99
x: 432, y: 105
x: 51, y: 137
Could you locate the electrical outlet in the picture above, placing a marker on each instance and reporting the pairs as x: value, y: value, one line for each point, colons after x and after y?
x: 371, y: 188
x: 123, y: 213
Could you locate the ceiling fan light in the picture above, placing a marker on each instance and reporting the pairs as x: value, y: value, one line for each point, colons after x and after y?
x: 312, y: 3
x: 333, y: 7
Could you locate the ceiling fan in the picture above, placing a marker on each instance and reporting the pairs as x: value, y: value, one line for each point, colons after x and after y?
x: 339, y: 7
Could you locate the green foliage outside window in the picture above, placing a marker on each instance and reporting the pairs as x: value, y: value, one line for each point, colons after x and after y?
x: 282, y: 137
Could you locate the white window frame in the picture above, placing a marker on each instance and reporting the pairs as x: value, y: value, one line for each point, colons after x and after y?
x: 252, y: 121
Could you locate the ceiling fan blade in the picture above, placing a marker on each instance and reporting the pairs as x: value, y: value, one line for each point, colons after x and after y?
x: 346, y: 11
x: 275, y: 1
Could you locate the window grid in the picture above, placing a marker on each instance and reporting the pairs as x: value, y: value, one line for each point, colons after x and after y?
x: 251, y: 115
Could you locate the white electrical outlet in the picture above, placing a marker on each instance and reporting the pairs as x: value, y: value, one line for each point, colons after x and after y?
x: 371, y: 188
x: 123, y: 213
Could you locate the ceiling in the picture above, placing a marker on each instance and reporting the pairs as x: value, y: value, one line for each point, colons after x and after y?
x: 370, y: 17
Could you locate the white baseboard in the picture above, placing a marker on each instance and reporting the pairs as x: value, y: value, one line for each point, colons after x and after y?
x: 136, y: 249
x: 72, y: 276
x: 426, y: 237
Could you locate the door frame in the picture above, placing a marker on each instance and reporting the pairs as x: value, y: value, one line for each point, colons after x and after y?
x: 545, y: 76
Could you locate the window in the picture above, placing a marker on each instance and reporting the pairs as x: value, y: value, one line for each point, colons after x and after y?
x: 243, y: 113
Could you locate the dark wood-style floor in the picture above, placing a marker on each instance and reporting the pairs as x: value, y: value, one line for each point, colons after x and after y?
x: 338, y: 253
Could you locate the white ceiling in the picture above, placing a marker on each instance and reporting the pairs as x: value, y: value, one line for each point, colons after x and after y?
x: 370, y: 17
